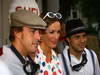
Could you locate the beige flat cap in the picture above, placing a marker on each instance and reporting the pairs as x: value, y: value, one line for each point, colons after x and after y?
x: 27, y: 18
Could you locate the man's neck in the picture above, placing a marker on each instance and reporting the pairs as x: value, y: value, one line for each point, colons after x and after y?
x: 77, y: 54
x: 19, y: 48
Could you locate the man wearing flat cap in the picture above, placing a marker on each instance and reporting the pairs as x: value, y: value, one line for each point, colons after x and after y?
x: 24, y: 36
x: 76, y: 59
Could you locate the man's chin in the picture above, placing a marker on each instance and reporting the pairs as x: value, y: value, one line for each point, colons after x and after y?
x: 81, y: 50
x: 33, y: 52
x: 35, y: 49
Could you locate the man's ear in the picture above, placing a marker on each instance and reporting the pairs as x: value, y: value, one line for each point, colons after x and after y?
x: 18, y: 34
x: 68, y: 40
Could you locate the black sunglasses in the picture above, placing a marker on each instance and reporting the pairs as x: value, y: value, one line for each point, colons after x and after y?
x: 80, y: 65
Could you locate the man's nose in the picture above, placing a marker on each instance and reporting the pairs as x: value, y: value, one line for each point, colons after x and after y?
x: 37, y: 35
x: 83, y: 39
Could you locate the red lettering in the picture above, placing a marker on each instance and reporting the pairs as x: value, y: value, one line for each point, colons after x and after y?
x: 18, y: 8
x: 30, y: 9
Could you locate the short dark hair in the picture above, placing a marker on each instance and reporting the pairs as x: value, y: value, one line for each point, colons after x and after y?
x: 12, y: 30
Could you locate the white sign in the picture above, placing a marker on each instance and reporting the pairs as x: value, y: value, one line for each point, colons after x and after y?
x: 24, y: 4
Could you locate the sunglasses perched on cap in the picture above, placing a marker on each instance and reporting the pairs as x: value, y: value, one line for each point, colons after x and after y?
x: 53, y: 15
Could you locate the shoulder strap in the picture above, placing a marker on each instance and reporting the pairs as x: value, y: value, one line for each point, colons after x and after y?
x: 92, y: 56
x: 26, y: 63
x: 14, y: 50
x: 65, y: 65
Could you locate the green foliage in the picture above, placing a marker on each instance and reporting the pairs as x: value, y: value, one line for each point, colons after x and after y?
x: 92, y: 30
x: 90, y: 9
x: 74, y: 2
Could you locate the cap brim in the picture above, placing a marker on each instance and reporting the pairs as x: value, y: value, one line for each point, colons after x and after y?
x: 37, y: 27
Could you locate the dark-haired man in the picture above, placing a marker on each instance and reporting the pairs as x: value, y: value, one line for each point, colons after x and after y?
x: 24, y: 37
x: 76, y: 59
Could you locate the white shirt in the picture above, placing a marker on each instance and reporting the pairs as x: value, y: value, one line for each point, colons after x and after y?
x: 4, y: 69
x: 87, y: 69
x: 12, y: 61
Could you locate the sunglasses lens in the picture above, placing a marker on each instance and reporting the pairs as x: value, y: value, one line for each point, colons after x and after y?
x: 51, y: 15
x: 58, y: 15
